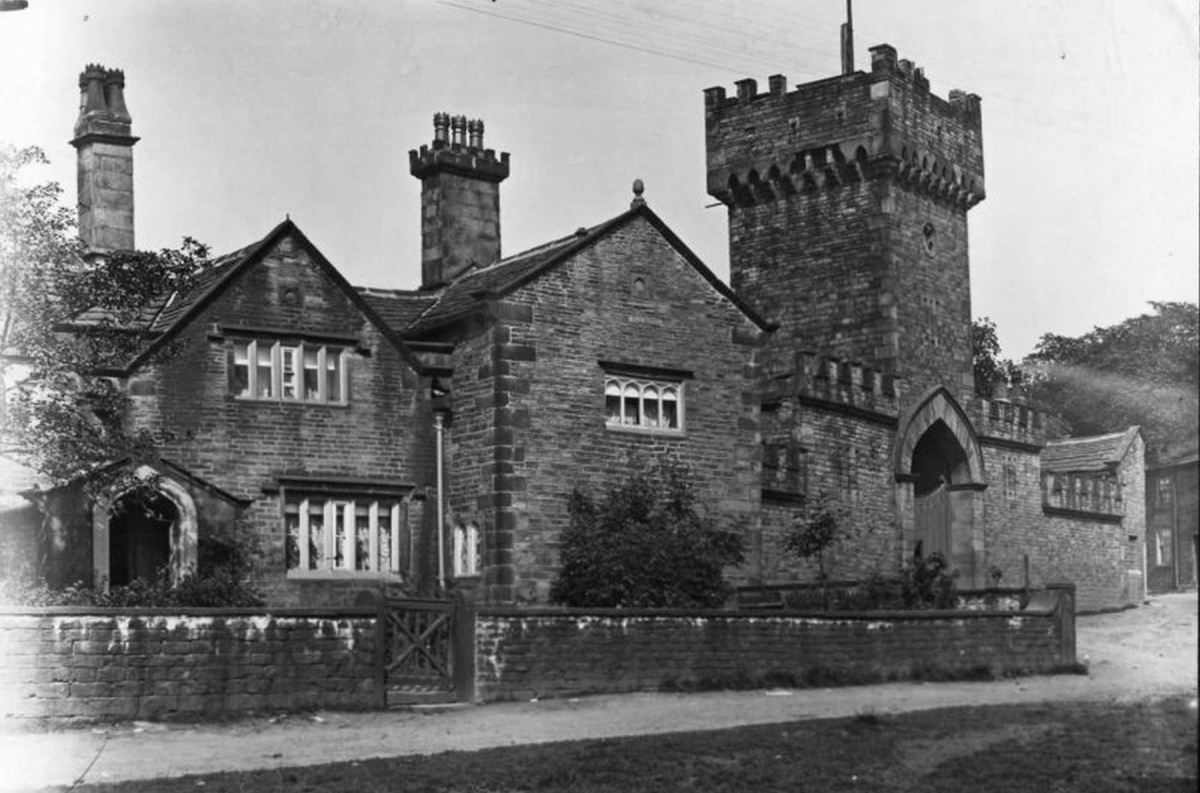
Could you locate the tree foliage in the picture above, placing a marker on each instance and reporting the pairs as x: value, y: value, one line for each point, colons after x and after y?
x: 991, y: 370
x: 818, y: 526
x: 68, y: 322
x: 1144, y: 370
x: 644, y: 544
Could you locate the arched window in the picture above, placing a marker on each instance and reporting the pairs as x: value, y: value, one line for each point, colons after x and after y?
x: 643, y: 404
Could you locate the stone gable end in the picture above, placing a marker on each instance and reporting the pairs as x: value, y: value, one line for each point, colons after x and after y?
x: 380, y: 430
x: 629, y: 307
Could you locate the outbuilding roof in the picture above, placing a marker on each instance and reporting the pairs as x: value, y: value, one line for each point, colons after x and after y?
x: 1093, y: 453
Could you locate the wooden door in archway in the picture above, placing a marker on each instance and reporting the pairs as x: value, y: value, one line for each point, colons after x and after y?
x: 933, y: 522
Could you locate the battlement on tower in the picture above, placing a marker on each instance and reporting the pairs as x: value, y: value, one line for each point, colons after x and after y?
x: 838, y: 383
x: 1009, y: 421
x: 884, y: 123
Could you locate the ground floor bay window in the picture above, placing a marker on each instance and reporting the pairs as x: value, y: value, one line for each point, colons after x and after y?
x: 345, y: 533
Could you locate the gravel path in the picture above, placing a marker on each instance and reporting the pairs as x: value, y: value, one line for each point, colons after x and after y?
x: 1146, y: 652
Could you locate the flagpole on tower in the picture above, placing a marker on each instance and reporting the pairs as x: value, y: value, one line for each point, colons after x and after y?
x: 848, y: 41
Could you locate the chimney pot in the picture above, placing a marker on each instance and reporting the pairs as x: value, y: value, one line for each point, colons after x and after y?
x: 441, y: 128
x: 114, y: 84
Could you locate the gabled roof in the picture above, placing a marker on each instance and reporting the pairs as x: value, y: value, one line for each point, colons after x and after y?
x: 161, y: 466
x: 1093, y: 453
x: 164, y: 317
x: 467, y: 294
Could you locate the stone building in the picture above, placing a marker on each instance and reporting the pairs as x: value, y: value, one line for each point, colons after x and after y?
x: 378, y: 436
x: 1172, y: 517
x: 848, y: 201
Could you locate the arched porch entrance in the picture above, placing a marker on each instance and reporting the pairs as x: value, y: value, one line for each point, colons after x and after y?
x: 939, y: 484
x: 141, y: 530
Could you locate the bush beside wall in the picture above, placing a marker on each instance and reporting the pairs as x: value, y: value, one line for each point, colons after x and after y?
x: 158, y: 664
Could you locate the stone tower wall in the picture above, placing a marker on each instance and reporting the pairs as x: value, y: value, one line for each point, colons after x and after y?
x: 847, y: 206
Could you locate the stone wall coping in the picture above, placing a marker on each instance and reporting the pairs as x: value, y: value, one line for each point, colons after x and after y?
x: 216, y: 613
x: 930, y: 615
x: 806, y: 586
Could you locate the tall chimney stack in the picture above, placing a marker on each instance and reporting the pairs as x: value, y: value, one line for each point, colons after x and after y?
x: 105, y: 161
x: 460, y: 199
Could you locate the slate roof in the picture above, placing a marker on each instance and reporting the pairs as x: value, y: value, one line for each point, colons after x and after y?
x: 161, y: 313
x: 162, y: 318
x: 463, y: 296
x: 1093, y: 453
x: 399, y: 308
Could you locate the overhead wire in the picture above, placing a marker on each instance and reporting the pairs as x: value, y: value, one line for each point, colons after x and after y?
x: 608, y: 27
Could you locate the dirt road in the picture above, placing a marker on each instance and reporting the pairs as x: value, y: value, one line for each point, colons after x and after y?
x: 1146, y: 652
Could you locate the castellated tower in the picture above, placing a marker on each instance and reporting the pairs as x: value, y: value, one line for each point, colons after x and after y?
x: 848, y: 202
x: 460, y: 199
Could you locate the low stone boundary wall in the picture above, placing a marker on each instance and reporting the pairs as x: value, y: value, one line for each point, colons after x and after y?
x: 155, y: 663
x: 520, y: 654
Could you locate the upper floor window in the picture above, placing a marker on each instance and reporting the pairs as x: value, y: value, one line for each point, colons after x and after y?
x: 290, y: 372
x: 1163, y: 491
x: 643, y: 404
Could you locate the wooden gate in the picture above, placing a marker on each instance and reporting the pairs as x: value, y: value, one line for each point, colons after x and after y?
x: 428, y: 650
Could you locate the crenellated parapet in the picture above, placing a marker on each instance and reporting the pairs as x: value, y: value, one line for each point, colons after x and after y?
x: 1008, y: 422
x: 882, y: 124
x: 840, y: 385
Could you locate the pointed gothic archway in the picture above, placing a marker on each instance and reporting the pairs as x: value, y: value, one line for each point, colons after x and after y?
x: 939, y: 483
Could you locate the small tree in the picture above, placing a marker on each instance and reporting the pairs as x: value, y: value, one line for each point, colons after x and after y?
x: 817, y: 528
x: 68, y: 323
x: 644, y: 544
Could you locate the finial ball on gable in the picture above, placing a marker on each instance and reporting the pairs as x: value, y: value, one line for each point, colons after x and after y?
x: 638, y: 189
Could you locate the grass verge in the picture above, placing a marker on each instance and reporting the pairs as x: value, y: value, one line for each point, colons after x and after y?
x: 1064, y: 747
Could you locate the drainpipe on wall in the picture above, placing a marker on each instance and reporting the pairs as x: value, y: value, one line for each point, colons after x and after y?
x: 439, y: 425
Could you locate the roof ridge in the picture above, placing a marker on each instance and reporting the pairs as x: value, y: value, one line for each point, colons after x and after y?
x: 1089, y: 438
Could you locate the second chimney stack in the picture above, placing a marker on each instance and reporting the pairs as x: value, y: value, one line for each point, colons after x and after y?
x: 460, y: 199
x: 104, y: 144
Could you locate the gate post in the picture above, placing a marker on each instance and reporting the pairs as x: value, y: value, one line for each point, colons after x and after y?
x: 1065, y: 616
x: 463, y: 647
x: 381, y: 649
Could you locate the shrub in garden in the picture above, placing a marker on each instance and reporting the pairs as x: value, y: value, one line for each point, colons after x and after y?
x: 644, y: 544
x: 220, y: 580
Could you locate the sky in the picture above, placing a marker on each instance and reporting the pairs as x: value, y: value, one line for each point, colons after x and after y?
x: 250, y: 112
